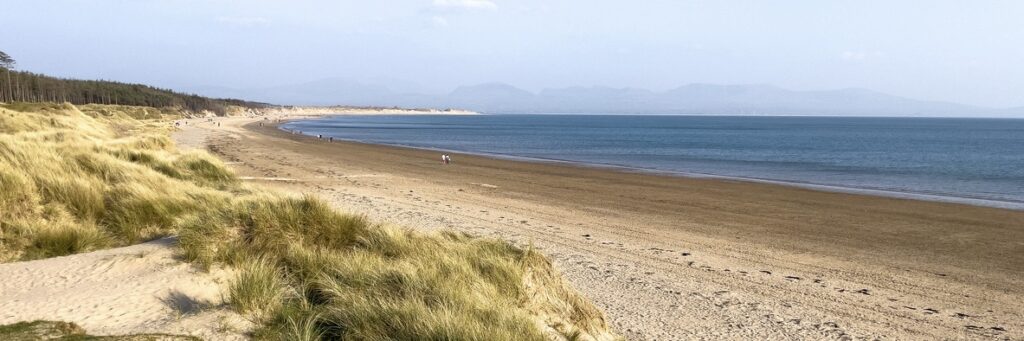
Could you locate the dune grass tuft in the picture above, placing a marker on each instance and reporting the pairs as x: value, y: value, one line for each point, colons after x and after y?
x: 258, y: 290
x: 62, y: 240
x: 67, y: 331
x: 339, y: 276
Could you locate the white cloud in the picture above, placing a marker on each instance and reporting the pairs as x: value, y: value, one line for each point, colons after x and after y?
x: 466, y: 4
x: 439, y: 21
x: 243, y: 21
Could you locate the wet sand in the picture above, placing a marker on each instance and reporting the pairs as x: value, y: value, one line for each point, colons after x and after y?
x: 682, y: 258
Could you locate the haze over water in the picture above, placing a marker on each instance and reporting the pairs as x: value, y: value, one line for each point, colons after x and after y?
x: 961, y: 158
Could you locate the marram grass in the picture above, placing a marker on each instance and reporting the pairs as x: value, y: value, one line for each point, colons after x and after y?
x: 76, y: 179
x: 73, y: 183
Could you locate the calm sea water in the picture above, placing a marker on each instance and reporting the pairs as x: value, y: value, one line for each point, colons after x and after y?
x: 979, y: 161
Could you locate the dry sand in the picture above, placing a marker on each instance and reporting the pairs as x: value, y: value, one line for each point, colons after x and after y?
x: 142, y: 288
x: 681, y: 258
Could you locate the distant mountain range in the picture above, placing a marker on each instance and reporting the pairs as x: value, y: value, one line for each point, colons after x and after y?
x: 709, y: 99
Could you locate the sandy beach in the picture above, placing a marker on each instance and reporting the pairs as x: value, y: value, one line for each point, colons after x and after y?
x: 682, y: 258
x: 490, y: 170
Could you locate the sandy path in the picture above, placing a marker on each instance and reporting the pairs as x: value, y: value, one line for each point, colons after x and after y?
x: 142, y: 288
x: 672, y: 258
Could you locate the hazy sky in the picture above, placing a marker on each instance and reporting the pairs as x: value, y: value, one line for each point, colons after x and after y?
x: 963, y: 51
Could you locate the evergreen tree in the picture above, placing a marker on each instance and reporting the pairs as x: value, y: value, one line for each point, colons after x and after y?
x: 6, y: 62
x: 25, y: 86
x: 6, y: 65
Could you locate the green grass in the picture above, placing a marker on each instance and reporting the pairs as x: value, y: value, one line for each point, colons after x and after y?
x: 104, y: 176
x: 75, y: 182
x: 258, y: 290
x: 65, y: 331
x: 340, y: 276
x: 62, y: 240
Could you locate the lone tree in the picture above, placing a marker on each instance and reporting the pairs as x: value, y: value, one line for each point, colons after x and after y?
x: 6, y: 65
x: 6, y: 62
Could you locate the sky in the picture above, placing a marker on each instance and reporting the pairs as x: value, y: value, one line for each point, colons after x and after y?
x: 959, y: 51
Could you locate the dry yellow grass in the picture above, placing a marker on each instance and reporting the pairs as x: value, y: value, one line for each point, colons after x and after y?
x: 75, y: 182
x: 79, y: 179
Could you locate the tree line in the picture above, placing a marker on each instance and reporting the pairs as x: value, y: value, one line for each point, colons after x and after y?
x: 24, y: 86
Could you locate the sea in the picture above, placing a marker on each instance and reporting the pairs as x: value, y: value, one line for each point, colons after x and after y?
x: 966, y: 160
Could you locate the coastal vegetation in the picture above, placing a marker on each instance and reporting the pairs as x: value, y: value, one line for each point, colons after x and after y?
x: 81, y: 178
x: 24, y: 86
x: 66, y: 331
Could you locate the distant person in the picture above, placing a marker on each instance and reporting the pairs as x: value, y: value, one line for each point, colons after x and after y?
x: 444, y: 159
x: 330, y: 139
x: 447, y: 159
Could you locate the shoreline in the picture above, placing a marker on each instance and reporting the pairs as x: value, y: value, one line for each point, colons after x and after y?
x: 669, y: 257
x: 870, y: 191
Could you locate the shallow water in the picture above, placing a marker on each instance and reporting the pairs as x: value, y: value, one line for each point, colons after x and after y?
x: 940, y: 157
